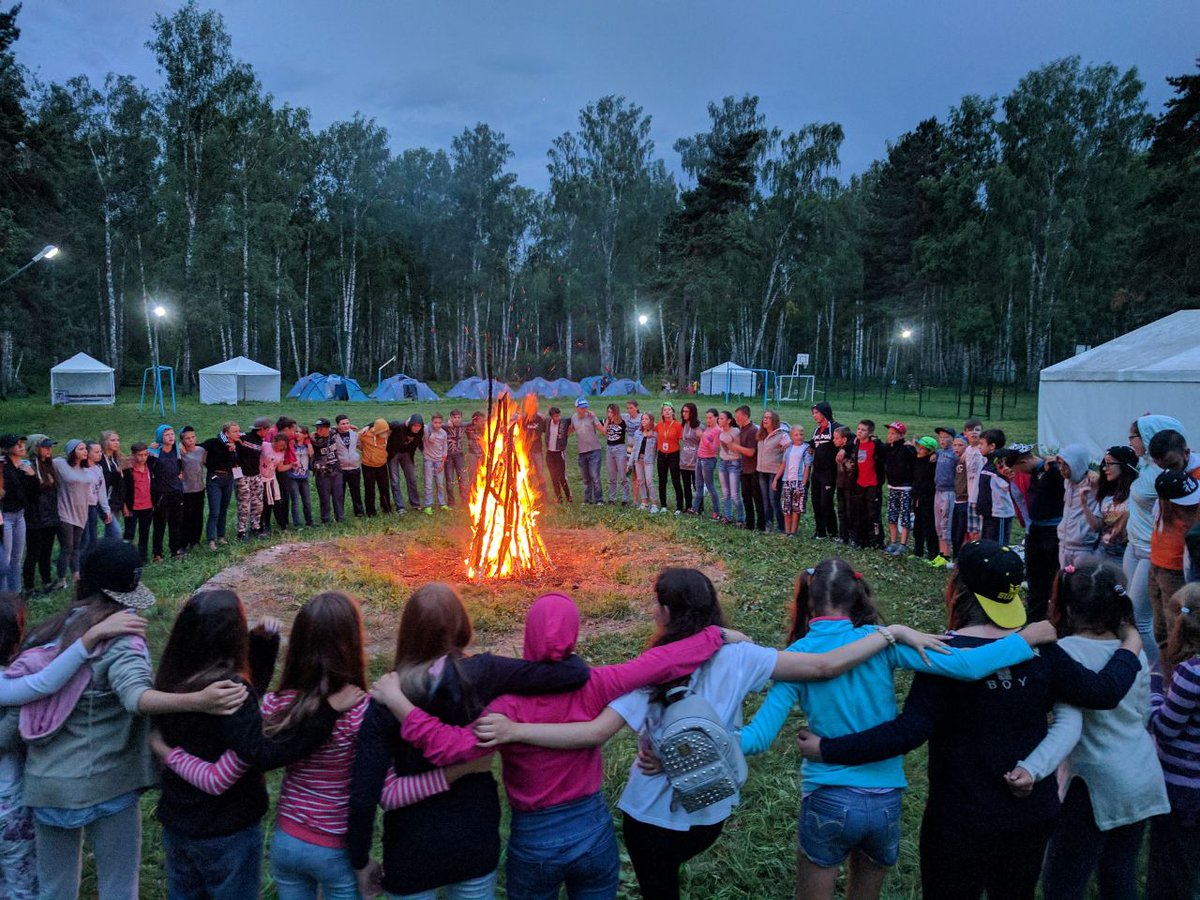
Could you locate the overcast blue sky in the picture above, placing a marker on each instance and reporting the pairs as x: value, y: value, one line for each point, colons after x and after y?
x: 427, y: 70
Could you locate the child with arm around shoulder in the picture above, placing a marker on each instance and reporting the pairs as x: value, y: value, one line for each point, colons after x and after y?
x: 659, y: 836
x: 1110, y: 778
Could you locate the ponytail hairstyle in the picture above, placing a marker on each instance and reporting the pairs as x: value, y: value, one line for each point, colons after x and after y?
x: 691, y: 600
x: 12, y: 625
x: 325, y: 653
x: 832, y: 587
x: 209, y: 642
x: 1089, y: 597
x: 1183, y: 640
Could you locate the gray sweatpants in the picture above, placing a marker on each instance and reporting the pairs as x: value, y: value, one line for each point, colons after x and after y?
x: 614, y: 459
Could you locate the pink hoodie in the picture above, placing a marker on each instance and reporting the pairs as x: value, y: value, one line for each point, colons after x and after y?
x: 536, y: 777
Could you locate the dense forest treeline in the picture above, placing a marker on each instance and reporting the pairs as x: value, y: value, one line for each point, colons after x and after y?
x: 998, y: 236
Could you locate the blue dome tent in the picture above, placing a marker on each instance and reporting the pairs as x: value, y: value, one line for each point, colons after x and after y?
x: 565, y: 387
x: 403, y: 387
x: 624, y: 387
x: 475, y: 388
x: 591, y: 384
x: 538, y: 386
x: 463, y: 389
x: 316, y: 386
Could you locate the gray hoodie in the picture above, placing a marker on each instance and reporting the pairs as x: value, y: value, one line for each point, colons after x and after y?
x: 1074, y: 532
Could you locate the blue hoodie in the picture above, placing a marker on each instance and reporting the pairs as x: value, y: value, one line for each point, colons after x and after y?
x: 1142, y: 495
x: 863, y: 697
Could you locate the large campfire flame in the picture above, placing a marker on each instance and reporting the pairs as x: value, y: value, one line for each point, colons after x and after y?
x: 505, y: 540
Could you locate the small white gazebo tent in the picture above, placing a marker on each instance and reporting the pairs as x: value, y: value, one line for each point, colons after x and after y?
x: 82, y: 379
x: 1093, y: 398
x: 728, y: 377
x: 239, y: 379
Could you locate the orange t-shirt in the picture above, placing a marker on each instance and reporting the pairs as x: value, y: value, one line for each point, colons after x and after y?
x: 1167, y: 540
x: 669, y: 436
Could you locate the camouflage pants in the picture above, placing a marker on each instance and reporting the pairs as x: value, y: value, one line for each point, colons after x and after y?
x: 249, y: 504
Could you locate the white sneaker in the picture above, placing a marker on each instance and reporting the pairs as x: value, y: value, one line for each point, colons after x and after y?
x: 679, y: 512
x: 653, y: 510
x: 642, y: 507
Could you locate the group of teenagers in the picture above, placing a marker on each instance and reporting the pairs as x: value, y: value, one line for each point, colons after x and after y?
x: 1048, y: 752
x: 155, y: 494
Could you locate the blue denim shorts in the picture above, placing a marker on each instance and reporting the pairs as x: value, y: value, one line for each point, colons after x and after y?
x: 836, y: 820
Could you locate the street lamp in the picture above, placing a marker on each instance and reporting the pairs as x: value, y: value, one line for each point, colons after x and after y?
x: 637, y: 345
x: 48, y: 252
x: 157, y: 369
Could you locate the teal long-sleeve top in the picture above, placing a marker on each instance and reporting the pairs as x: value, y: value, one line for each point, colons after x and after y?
x: 863, y: 697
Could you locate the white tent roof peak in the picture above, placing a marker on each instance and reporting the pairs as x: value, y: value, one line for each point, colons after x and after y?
x: 728, y: 366
x: 239, y: 365
x: 81, y: 363
x: 1165, y: 350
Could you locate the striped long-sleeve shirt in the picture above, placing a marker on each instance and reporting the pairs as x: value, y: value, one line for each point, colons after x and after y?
x: 315, y: 796
x: 1175, y: 724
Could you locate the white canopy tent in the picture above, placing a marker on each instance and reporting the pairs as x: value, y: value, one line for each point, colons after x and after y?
x: 1093, y: 398
x: 728, y: 376
x: 82, y: 379
x: 239, y: 379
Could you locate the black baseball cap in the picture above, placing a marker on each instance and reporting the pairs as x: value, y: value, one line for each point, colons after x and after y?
x: 321, y: 423
x: 994, y: 573
x: 10, y: 440
x: 1179, y: 487
x: 115, y: 569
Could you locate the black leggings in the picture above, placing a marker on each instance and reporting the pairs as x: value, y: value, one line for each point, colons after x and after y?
x: 669, y: 462
x: 39, y: 546
x: 689, y: 483
x: 657, y: 853
x: 963, y: 862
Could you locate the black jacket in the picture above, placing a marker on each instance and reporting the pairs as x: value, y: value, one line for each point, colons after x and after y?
x: 901, y: 459
x: 127, y: 475
x: 41, y: 508
x: 17, y: 486
x: 221, y: 456
x: 824, y: 452
x: 114, y: 482
x: 192, y: 813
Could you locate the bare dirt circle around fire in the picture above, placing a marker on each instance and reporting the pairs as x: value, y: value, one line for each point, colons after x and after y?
x: 608, y: 572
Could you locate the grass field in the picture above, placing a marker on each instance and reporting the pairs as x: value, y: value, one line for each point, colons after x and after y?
x: 755, y: 855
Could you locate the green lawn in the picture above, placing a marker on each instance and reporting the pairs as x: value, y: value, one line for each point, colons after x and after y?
x: 755, y: 855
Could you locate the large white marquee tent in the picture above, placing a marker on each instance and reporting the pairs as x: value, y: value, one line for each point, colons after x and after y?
x: 237, y: 380
x: 82, y: 379
x: 728, y: 376
x: 1093, y: 398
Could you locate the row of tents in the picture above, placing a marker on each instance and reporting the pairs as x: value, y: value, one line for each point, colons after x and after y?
x: 85, y: 380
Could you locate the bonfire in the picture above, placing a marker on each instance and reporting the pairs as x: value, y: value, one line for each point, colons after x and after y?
x: 505, y: 540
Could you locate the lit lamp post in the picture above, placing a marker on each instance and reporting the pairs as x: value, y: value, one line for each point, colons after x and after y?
x: 637, y: 345
x: 48, y: 252
x: 157, y: 370
x: 905, y: 335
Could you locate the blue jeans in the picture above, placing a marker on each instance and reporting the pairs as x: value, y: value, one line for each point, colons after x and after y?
x: 90, y: 531
x: 12, y: 551
x: 836, y: 820
x: 300, y: 868
x: 572, y: 843
x: 220, y: 492
x: 618, y: 484
x: 299, y: 496
x: 731, y: 488
x: 589, y: 471
x: 704, y: 482
x: 772, y: 499
x: 481, y: 888
x: 1137, y: 575
x: 218, y: 868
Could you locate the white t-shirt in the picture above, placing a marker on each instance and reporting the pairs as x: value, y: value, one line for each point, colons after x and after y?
x: 723, y: 681
x: 795, y: 459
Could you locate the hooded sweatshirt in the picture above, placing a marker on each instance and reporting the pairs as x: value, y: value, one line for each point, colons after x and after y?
x: 373, y: 443
x: 1074, y: 532
x: 1142, y: 495
x: 536, y: 777
x: 824, y: 453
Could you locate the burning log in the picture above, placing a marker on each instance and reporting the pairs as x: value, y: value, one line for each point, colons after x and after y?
x: 505, y: 539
